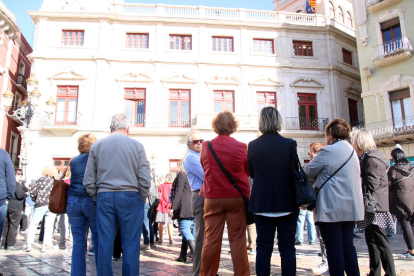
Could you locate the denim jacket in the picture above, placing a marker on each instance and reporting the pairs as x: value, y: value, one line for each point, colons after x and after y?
x: 77, y: 169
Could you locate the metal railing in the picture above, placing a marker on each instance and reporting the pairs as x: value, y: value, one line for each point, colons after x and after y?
x: 390, y: 128
x: 22, y: 81
x: 67, y: 118
x: 160, y: 121
x: 304, y: 123
x: 203, y: 121
x: 392, y: 48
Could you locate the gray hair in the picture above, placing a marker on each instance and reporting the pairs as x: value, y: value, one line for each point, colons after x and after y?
x: 119, y: 122
x: 363, y: 140
x: 270, y: 120
x: 189, y: 140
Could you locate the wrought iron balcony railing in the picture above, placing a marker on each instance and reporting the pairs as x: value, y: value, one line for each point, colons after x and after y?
x: 304, y: 123
x: 160, y: 121
x: 67, y: 118
x: 390, y: 128
x: 392, y: 48
x: 22, y: 81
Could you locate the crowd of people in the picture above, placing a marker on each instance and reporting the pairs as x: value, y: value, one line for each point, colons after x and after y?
x: 114, y: 195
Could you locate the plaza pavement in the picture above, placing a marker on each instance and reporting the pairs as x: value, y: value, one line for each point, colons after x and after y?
x: 160, y: 261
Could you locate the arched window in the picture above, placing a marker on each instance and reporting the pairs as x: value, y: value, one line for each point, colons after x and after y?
x: 349, y: 19
x: 298, y: 11
x: 331, y: 10
x: 340, y: 15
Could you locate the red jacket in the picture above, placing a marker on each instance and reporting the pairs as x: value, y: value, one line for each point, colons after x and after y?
x: 164, y: 192
x: 233, y: 156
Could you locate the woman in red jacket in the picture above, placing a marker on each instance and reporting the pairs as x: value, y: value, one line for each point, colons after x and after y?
x: 164, y: 207
x: 223, y: 202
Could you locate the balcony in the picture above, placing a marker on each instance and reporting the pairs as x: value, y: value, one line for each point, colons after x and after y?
x: 161, y: 121
x: 377, y: 5
x: 21, y: 83
x: 246, y: 122
x: 303, y: 123
x: 392, y: 51
x: 65, y: 123
x: 391, y: 129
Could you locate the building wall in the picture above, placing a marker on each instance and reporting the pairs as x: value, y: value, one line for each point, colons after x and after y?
x: 103, y: 67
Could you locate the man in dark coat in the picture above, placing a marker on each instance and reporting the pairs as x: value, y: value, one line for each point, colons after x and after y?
x: 7, y: 185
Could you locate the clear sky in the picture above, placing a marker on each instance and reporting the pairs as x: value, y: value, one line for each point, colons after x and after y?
x: 20, y: 8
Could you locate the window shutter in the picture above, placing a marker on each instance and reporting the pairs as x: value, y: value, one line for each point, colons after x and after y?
x: 390, y: 23
x: 400, y: 94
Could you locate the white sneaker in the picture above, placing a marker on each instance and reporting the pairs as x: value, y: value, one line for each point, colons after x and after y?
x: 321, y: 269
x: 406, y: 256
x: 27, y: 248
x: 90, y: 253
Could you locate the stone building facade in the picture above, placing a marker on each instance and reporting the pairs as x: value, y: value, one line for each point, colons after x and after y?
x: 384, y: 31
x: 172, y: 68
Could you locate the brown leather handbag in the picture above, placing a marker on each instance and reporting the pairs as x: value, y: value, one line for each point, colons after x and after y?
x: 59, y: 195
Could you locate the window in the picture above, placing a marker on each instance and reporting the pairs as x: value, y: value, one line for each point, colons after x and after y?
x: 180, y: 42
x: 72, y: 38
x: 223, y: 100
x: 340, y: 15
x: 263, y: 46
x: 61, y: 162
x: 22, y: 68
x: 17, y: 101
x: 402, y: 112
x: 222, y: 44
x: 308, y: 114
x: 135, y: 105
x: 349, y: 19
x: 67, y: 104
x: 347, y: 56
x: 137, y: 41
x: 353, y: 111
x: 302, y: 48
x: 391, y: 31
x: 174, y: 167
x: 179, y: 108
x: 14, y: 144
x: 331, y: 10
x: 265, y: 99
x: 298, y: 11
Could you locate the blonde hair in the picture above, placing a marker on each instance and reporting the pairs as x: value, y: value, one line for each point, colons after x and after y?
x: 181, y: 165
x: 68, y: 172
x: 51, y: 171
x: 363, y: 140
x: 85, y: 142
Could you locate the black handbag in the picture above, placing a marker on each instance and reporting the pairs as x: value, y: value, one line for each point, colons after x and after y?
x: 249, y: 215
x: 305, y: 193
x: 370, y: 202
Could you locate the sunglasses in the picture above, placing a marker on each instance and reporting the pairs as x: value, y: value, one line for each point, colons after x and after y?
x: 195, y: 142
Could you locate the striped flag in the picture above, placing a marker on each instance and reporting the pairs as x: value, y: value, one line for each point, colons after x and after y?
x: 310, y: 6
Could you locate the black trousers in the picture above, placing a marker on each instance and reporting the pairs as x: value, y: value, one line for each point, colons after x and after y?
x: 379, y: 249
x: 117, y: 245
x: 407, y: 227
x: 23, y: 222
x: 11, y: 225
x: 266, y: 229
x: 340, y: 250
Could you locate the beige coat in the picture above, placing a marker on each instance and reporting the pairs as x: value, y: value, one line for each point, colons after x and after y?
x: 341, y: 197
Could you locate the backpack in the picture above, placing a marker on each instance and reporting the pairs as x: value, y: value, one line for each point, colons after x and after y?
x: 153, y: 198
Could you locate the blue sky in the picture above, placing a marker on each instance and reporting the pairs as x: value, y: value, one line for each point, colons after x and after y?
x: 20, y: 8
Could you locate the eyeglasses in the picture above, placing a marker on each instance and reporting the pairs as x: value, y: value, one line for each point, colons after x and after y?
x: 19, y: 174
x: 195, y: 142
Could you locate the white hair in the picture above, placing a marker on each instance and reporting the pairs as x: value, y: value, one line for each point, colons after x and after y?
x: 363, y: 140
x: 190, y: 134
x: 119, y: 122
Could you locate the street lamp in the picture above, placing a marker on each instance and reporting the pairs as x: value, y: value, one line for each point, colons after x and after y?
x: 25, y: 113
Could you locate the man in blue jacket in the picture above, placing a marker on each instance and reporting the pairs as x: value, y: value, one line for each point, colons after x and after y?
x: 7, y: 185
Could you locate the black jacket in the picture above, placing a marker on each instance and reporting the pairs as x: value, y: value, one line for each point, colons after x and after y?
x: 270, y: 165
x: 401, y: 180
x: 182, y: 196
x: 19, y: 198
x: 374, y: 178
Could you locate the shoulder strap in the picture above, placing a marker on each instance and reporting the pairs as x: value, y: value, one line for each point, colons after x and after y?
x: 64, y: 173
x: 402, y: 178
x: 318, y: 189
x: 223, y: 169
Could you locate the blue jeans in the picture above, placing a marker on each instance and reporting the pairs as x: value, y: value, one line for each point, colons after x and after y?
x: 308, y: 215
x: 126, y: 210
x: 187, y: 227
x: 81, y: 211
x: 147, y: 229
x: 3, y: 215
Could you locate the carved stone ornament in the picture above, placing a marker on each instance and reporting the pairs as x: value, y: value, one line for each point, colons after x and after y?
x: 74, y: 5
x: 361, y: 20
x: 388, y: 15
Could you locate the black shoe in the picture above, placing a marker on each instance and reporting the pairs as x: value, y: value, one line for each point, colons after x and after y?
x: 311, y: 243
x: 356, y: 236
x: 298, y: 243
x: 180, y: 260
x: 320, y: 254
x: 390, y: 236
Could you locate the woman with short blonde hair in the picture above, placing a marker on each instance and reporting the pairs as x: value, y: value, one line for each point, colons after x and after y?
x: 40, y: 193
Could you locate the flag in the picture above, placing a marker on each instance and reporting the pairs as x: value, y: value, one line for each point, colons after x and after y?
x: 310, y: 6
